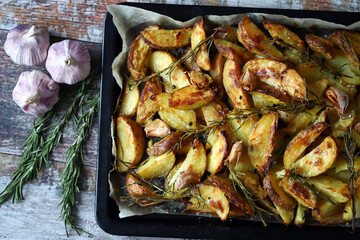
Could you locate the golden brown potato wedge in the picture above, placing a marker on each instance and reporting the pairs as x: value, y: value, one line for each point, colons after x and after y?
x: 256, y: 41
x: 278, y: 75
x: 130, y: 143
x: 316, y: 89
x: 341, y: 39
x: 199, y: 80
x: 141, y: 192
x: 185, y: 146
x: 130, y: 101
x: 227, y: 187
x: 232, y: 85
x: 138, y: 56
x: 197, y: 36
x: 304, y: 195
x: 163, y: 62
x: 336, y: 190
x: 302, y: 120
x: 233, y: 51
x: 264, y: 97
x: 216, y: 71
x: 279, y: 197
x: 300, y: 215
x: 147, y: 107
x: 219, y: 152
x: 320, y: 45
x: 262, y: 141
x: 287, y: 215
x: 297, y: 146
x: 165, y: 145
x: 327, y: 213
x: 190, y: 97
x: 319, y: 160
x: 213, y: 112
x: 167, y: 39
x: 156, y: 166
x: 243, y: 127
x: 214, y: 198
x: 157, y: 128
x: 192, y: 169
x: 228, y: 33
x: 189, y: 62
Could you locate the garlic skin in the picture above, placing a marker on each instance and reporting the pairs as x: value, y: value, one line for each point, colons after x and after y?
x: 68, y: 61
x: 27, y: 44
x: 35, y: 92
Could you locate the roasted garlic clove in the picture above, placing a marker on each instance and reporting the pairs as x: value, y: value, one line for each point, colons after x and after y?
x: 248, y: 80
x: 337, y: 98
x: 68, y: 61
x: 35, y: 92
x: 27, y: 44
x: 157, y: 128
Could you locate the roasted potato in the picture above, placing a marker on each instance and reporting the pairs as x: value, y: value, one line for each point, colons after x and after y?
x: 335, y: 189
x: 167, y: 39
x: 130, y: 143
x: 320, y: 45
x: 219, y: 151
x: 233, y: 51
x: 190, y: 97
x: 156, y: 166
x: 198, y: 35
x: 228, y: 33
x: 130, y: 101
x: 165, y: 145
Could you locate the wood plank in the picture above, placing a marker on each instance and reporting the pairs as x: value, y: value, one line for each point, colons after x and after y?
x: 84, y: 19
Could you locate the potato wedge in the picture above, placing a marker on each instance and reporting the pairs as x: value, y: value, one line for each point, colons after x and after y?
x: 287, y: 215
x: 138, y: 56
x: 232, y: 85
x: 341, y: 39
x: 199, y: 80
x: 165, y: 145
x: 147, y: 107
x: 319, y: 160
x: 189, y: 63
x: 304, y: 195
x: 278, y: 75
x: 262, y: 141
x: 141, y: 192
x: 198, y: 34
x: 227, y: 33
x: 157, y: 128
x: 192, y: 169
x: 219, y: 152
x: 300, y: 215
x: 302, y: 120
x: 316, y: 89
x: 227, y: 187
x: 156, y: 166
x: 336, y: 190
x: 167, y: 39
x: 130, y: 143
x: 161, y: 61
x: 130, y: 101
x: 233, y: 51
x: 268, y: 96
x: 256, y: 41
x: 214, y: 198
x: 213, y: 112
x: 297, y: 146
x: 279, y: 197
x: 320, y: 45
x: 327, y: 213
x: 244, y: 127
x: 190, y: 97
x: 216, y: 71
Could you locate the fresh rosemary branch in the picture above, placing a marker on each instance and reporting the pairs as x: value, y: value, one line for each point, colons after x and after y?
x: 350, y: 147
x: 71, y: 173
x: 39, y: 145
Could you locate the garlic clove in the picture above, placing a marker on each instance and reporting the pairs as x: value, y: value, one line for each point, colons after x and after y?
x: 35, y: 92
x: 68, y: 61
x: 27, y: 44
x: 337, y: 98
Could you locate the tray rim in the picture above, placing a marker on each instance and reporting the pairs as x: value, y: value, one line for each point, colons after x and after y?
x: 186, y: 230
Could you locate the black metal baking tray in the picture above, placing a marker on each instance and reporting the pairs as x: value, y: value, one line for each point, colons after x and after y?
x: 181, y: 226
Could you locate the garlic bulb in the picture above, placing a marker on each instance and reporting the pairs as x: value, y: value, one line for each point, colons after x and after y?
x: 27, y: 44
x: 68, y: 61
x: 35, y: 92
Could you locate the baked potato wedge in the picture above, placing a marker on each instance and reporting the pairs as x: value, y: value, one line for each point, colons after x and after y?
x: 216, y: 71
x: 138, y: 56
x: 156, y: 166
x: 335, y: 189
x: 147, y: 107
x: 197, y: 36
x: 190, y: 97
x: 233, y: 51
x: 341, y: 39
x: 219, y: 151
x: 165, y: 145
x: 174, y: 77
x: 319, y: 160
x: 130, y: 143
x: 278, y: 75
x: 320, y: 45
x: 164, y: 39
x: 262, y: 141
x: 302, y: 120
x: 243, y: 127
x: 316, y: 89
x: 297, y: 146
x: 287, y: 215
x: 256, y: 41
x: 300, y: 215
x: 213, y: 112
x: 232, y: 85
x: 130, y: 101
x: 327, y: 213
x: 157, y: 128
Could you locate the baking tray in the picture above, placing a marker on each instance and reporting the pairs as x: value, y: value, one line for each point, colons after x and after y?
x: 182, y: 226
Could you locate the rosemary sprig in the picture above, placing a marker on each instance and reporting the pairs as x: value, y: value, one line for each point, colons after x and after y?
x: 71, y: 173
x: 350, y: 147
x: 40, y: 144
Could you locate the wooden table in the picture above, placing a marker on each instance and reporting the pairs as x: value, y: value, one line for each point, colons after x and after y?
x: 38, y: 215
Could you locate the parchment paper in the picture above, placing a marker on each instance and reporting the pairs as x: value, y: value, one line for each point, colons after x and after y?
x: 129, y: 21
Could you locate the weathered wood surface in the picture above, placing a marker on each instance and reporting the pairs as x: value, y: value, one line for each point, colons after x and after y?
x: 83, y: 20
x: 38, y: 216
